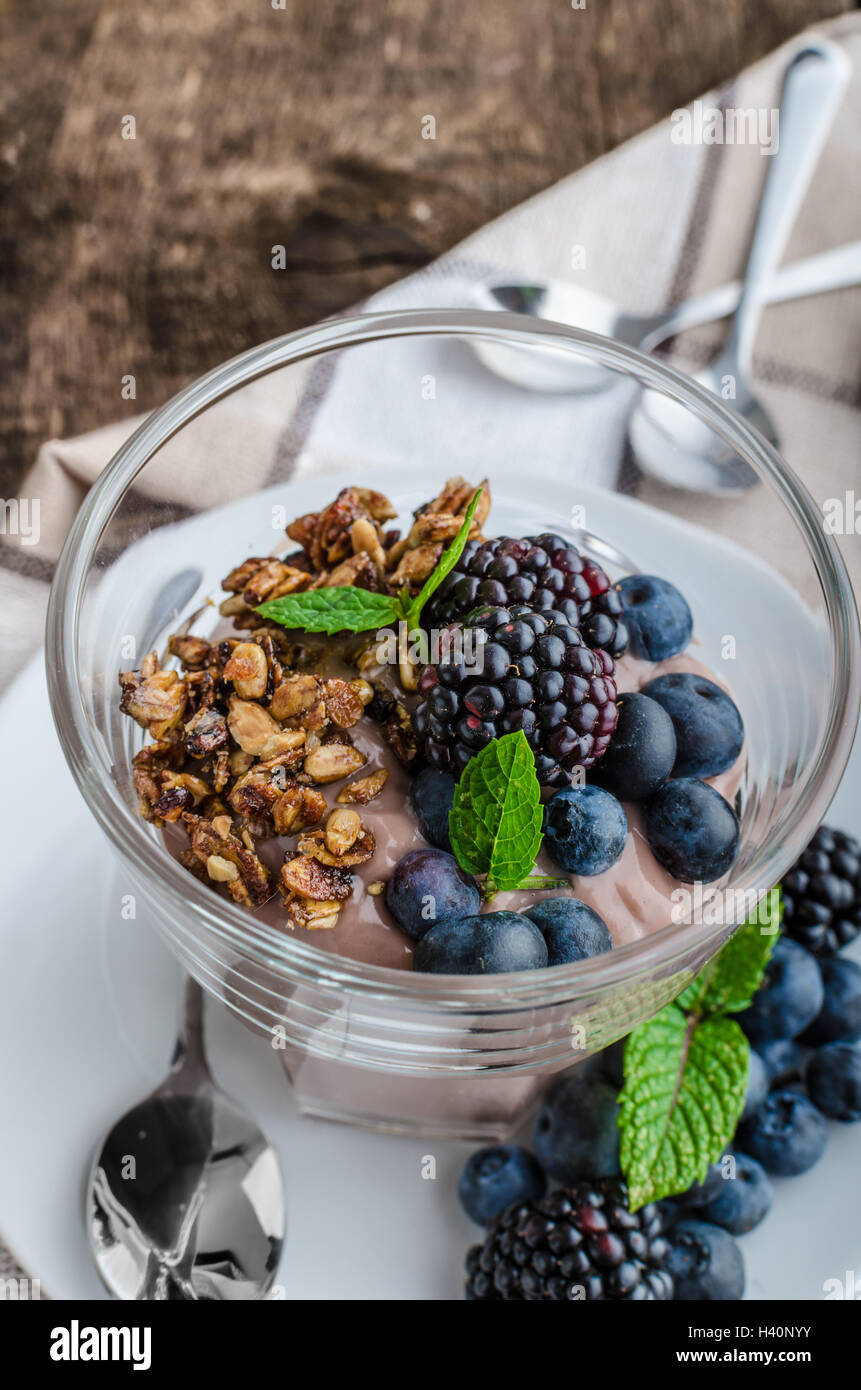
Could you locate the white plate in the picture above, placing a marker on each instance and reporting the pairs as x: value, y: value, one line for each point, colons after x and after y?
x: 88, y: 1005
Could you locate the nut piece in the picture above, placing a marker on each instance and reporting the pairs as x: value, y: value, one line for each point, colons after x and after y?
x: 221, y: 869
x: 377, y: 887
x: 155, y: 699
x: 297, y: 809
x: 314, y: 845
x: 343, y: 829
x: 305, y: 876
x: 343, y: 703
x: 364, y: 789
x: 222, y: 825
x: 248, y: 670
x: 251, y: 726
x: 295, y: 696
x: 331, y: 761
x: 193, y: 652
x: 204, y: 733
x: 305, y: 913
x: 366, y: 537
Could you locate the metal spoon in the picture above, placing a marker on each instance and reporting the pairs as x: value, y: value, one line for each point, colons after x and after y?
x: 668, y: 441
x: 561, y: 302
x: 185, y: 1198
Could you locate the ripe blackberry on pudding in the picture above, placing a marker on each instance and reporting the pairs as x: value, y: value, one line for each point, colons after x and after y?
x: 579, y: 1242
x: 536, y: 674
x: 543, y: 572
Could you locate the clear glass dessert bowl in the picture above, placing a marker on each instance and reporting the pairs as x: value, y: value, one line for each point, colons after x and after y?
x: 399, y: 402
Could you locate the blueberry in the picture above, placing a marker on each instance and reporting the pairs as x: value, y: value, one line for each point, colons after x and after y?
x: 708, y: 727
x: 612, y: 1062
x: 701, y: 1192
x: 495, y: 1178
x: 783, y: 1059
x: 432, y: 796
x: 743, y: 1200
x: 571, y: 928
x: 585, y: 830
x: 706, y: 1263
x: 641, y: 752
x: 488, y: 944
x: 787, y: 1135
x: 426, y: 889
x: 789, y: 998
x: 575, y: 1131
x: 833, y: 1077
x: 839, y: 1019
x: 692, y: 831
x: 658, y: 618
x: 757, y: 1084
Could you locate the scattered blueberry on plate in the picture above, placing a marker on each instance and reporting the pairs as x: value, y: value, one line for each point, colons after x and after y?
x: 498, y: 1177
x: 839, y: 1019
x: 833, y: 1078
x: 790, y: 997
x: 705, y: 1262
x: 787, y: 1135
x: 742, y: 1200
x: 575, y: 1130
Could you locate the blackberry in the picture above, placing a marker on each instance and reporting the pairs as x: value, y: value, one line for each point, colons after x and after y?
x: 542, y: 572
x: 536, y: 674
x: 822, y: 893
x: 580, y: 1242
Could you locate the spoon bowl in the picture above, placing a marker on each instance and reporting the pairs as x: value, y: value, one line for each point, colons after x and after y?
x: 185, y: 1198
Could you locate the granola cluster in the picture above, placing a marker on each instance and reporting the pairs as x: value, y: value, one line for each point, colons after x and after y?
x: 248, y: 731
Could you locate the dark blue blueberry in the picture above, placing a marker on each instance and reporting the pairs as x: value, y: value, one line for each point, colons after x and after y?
x: 757, y: 1084
x: 787, y: 1135
x: 575, y: 1131
x: 489, y: 944
x: 427, y: 889
x: 783, y: 1059
x: 839, y: 1019
x: 571, y: 928
x: 833, y: 1078
x: 612, y: 1063
x: 499, y: 1177
x: 789, y: 998
x: 692, y: 831
x: 699, y: 1193
x: 642, y: 750
x: 743, y: 1199
x: 709, y: 730
x: 432, y: 796
x: 705, y: 1262
x: 585, y: 830
x: 658, y: 618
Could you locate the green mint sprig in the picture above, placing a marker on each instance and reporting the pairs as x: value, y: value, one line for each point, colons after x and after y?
x: 686, y: 1072
x: 495, y: 821
x: 346, y: 608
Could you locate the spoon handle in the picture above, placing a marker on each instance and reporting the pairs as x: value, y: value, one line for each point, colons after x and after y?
x: 189, y: 1054
x: 814, y: 84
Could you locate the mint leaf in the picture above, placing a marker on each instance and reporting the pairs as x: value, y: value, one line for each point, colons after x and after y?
x: 495, y: 821
x: 731, y: 979
x: 447, y: 562
x: 339, y: 609
x: 685, y: 1082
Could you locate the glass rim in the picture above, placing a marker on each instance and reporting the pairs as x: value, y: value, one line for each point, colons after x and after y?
x: 295, y: 960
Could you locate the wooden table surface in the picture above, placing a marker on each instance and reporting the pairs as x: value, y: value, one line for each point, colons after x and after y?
x: 299, y: 126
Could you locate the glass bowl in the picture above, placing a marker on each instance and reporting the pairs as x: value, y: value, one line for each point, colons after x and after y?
x: 400, y: 401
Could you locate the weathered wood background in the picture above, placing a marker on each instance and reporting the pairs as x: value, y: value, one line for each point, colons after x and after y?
x: 301, y: 126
